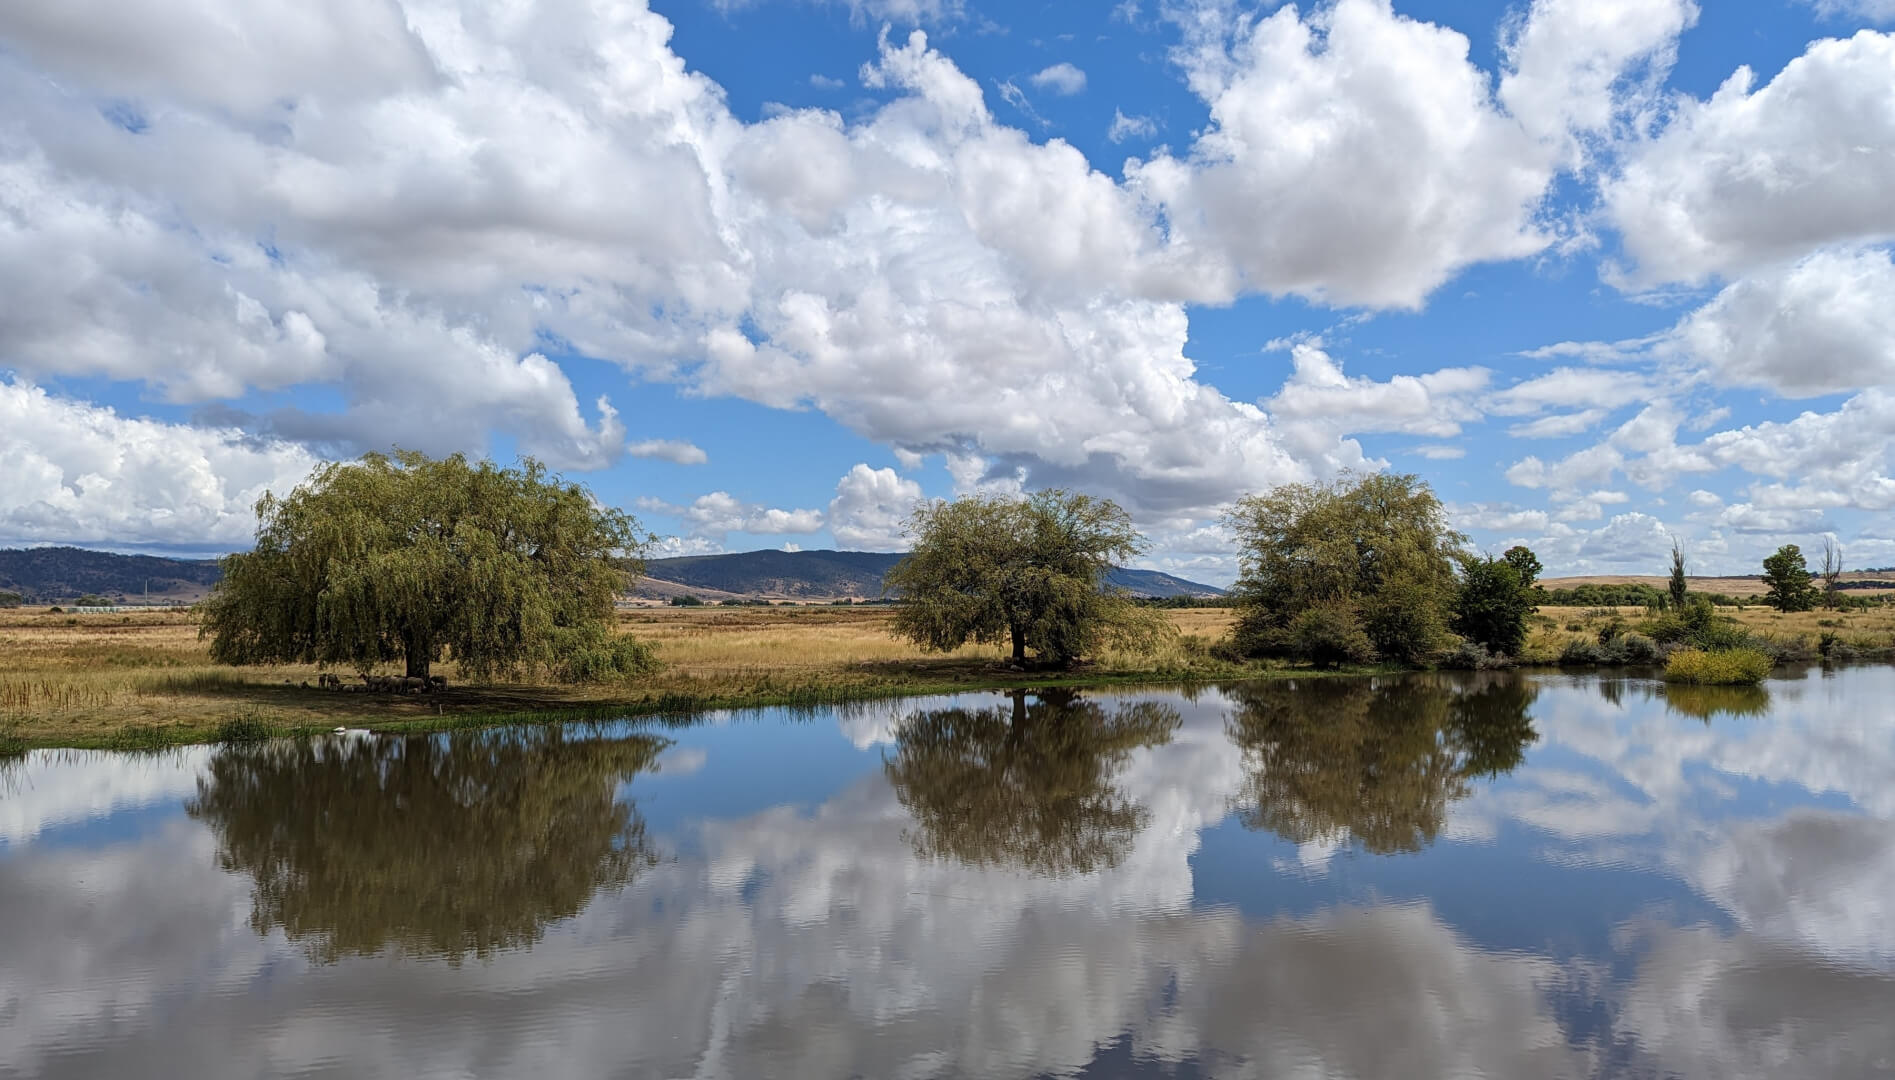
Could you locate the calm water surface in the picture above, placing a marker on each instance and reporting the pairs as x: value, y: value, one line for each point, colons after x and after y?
x: 1416, y: 877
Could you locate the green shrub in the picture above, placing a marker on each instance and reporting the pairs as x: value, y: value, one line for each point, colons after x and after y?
x: 1582, y: 653
x: 1472, y: 656
x: 605, y: 659
x: 1638, y: 649
x: 1724, y: 667
x: 1330, y: 634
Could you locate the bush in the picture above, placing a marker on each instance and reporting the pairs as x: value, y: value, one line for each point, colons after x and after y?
x: 1330, y: 634
x: 1582, y: 653
x: 1472, y: 656
x: 1726, y: 667
x: 1639, y: 649
x: 604, y: 658
x: 1610, y: 632
x: 686, y: 601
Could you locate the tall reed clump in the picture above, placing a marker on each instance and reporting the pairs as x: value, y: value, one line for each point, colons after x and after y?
x: 1724, y: 667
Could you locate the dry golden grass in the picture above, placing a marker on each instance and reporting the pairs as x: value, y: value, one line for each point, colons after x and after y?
x: 91, y: 679
x: 1862, y: 630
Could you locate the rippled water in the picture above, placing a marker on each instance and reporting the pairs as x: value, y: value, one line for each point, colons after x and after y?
x: 1416, y: 877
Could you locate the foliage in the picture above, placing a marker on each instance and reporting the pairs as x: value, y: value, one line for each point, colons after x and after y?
x: 1026, y: 571
x: 1379, y: 545
x: 1724, y: 667
x: 1787, y: 578
x: 1493, y: 603
x: 686, y: 601
x: 1614, y: 651
x: 1375, y: 761
x: 93, y: 600
x: 472, y: 842
x: 1030, y: 786
x: 11, y: 599
x: 1468, y: 656
x: 1524, y: 563
x: 407, y: 557
x: 1678, y: 590
x: 1329, y: 635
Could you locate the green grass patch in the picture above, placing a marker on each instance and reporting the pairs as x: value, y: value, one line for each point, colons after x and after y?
x: 141, y: 737
x: 1725, y: 667
x: 244, y: 729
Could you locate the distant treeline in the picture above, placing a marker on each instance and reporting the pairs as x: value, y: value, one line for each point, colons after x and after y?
x: 1185, y: 601
x: 1647, y: 596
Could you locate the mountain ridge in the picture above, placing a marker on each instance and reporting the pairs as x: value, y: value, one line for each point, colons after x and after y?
x: 50, y: 574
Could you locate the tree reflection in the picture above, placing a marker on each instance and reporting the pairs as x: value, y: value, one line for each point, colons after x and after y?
x: 439, y: 845
x: 1029, y: 786
x: 1376, y: 759
x: 1707, y: 703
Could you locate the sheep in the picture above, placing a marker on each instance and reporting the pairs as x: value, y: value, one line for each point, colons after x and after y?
x: 437, y: 683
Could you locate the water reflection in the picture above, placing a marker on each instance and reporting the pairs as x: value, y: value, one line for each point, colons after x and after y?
x: 1029, y: 785
x: 1375, y: 760
x: 438, y: 845
x: 1707, y: 703
x: 1598, y: 887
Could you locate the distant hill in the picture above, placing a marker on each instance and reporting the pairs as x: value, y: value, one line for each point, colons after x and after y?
x: 821, y: 575
x: 50, y: 574
x: 1865, y: 580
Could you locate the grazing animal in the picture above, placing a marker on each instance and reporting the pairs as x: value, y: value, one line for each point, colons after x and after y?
x: 412, y: 684
x: 437, y: 683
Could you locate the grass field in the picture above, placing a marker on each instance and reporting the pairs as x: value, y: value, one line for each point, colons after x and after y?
x: 134, y: 680
x: 145, y: 679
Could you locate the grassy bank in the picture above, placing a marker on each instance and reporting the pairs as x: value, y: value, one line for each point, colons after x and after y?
x: 141, y: 680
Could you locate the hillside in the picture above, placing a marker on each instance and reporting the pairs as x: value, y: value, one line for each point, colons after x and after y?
x: 46, y: 575
x: 52, y: 575
x: 823, y: 575
x: 1854, y: 581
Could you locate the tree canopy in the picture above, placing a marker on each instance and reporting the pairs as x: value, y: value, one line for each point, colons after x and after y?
x: 406, y: 557
x: 439, y: 845
x: 997, y: 568
x: 1031, y: 786
x: 1494, y: 601
x: 1372, y: 554
x: 1786, y: 579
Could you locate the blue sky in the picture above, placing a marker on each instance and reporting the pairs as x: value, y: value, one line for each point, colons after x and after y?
x: 1605, y: 274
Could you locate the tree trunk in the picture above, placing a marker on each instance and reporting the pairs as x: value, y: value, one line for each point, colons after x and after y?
x: 418, y: 655
x: 1019, y: 645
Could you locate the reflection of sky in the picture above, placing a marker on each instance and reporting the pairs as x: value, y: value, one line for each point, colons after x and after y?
x: 1647, y: 893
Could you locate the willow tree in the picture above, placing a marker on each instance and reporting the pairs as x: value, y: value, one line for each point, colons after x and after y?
x: 407, y: 557
x: 1029, y: 571
x: 1362, y: 557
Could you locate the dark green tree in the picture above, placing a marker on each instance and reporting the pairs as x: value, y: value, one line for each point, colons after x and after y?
x: 1030, y: 572
x: 1677, y: 583
x: 1786, y: 580
x: 1493, y: 604
x: 1029, y: 786
x: 1374, y: 761
x: 1376, y: 545
x: 446, y: 845
x: 409, y: 557
x: 1524, y: 563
